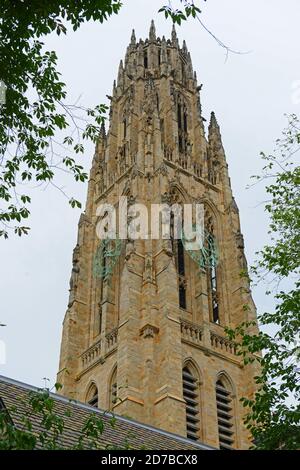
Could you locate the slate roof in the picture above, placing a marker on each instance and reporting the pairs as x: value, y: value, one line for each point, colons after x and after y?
x: 15, y: 397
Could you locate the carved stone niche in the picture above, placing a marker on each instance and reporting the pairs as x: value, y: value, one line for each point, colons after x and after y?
x: 149, y: 331
x: 148, y: 275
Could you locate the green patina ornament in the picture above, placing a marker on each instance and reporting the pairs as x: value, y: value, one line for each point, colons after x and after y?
x: 106, y: 257
x: 207, y: 256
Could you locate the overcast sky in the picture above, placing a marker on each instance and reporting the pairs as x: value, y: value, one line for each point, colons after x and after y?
x: 249, y: 93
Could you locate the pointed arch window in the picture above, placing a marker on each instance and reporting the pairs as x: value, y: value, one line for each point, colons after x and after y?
x: 100, y: 320
x: 162, y: 133
x: 113, y: 389
x: 92, y: 396
x: 181, y: 274
x: 212, y: 274
x: 185, y: 121
x: 212, y: 278
x: 225, y: 414
x: 191, y: 397
x: 100, y: 290
x: 183, y: 70
x: 178, y: 250
x: 182, y: 122
x: 179, y: 116
x: 102, y: 286
x: 146, y: 59
x: 124, y: 128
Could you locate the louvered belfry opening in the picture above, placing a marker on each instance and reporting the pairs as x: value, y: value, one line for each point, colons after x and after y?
x: 114, y: 393
x: 191, y: 397
x: 225, y: 416
x: 113, y: 389
x: 93, y: 396
x: 178, y: 250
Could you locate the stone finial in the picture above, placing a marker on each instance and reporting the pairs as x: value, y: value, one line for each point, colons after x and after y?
x: 140, y: 55
x: 184, y: 47
x: 152, y: 32
x: 121, y: 68
x: 164, y: 57
x: 114, y: 90
x: 174, y: 36
x: 102, y: 131
x: 189, y: 66
x: 214, y: 135
x: 133, y: 38
x: 127, y: 55
x: 213, y: 122
x: 100, y: 146
x: 120, y: 73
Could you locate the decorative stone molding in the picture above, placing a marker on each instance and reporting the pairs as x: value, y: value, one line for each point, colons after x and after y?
x: 91, y: 355
x: 111, y: 340
x: 190, y: 331
x: 149, y: 331
x: 220, y: 342
x: 148, y: 275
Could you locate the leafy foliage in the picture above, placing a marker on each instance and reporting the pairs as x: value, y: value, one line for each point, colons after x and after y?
x: 25, y: 436
x: 35, y: 116
x: 35, y: 112
x: 42, y: 428
x: 274, y: 413
x: 188, y: 9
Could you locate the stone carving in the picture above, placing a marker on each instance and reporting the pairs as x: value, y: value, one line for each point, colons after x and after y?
x: 148, y: 275
x: 74, y: 275
x: 149, y: 331
x: 241, y: 246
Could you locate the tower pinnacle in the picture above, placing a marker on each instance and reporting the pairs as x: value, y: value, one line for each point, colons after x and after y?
x: 213, y: 119
x: 133, y: 38
x: 120, y: 73
x: 184, y: 47
x: 174, y: 36
x: 102, y: 131
x: 152, y: 32
x: 214, y: 128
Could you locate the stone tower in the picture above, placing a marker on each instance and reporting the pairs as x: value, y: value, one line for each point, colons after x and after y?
x: 148, y: 339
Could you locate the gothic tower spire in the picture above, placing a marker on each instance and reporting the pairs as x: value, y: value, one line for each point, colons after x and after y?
x: 146, y: 318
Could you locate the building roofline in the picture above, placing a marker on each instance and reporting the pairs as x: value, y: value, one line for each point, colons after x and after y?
x: 84, y: 406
